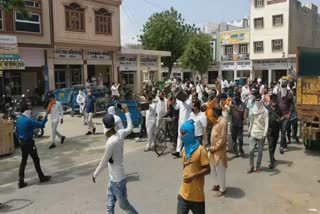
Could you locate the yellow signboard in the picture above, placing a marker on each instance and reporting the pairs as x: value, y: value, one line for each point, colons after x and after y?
x: 7, y: 65
x: 235, y: 37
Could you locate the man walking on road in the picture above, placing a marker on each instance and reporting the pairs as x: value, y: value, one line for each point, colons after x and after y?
x: 113, y: 158
x: 24, y: 131
x: 151, y: 117
x: 56, y: 110
x: 90, y: 108
x: 258, y: 131
x: 195, y: 167
x: 81, y: 98
x: 218, y: 151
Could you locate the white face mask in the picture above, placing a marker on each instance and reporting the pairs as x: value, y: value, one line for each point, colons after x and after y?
x: 27, y: 113
x: 284, y: 92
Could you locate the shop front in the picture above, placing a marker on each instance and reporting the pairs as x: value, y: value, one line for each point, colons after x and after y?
x: 228, y: 70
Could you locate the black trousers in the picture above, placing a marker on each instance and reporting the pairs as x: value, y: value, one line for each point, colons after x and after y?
x: 273, y: 137
x: 237, y: 135
x: 284, y: 126
x: 292, y: 125
x: 185, y: 206
x: 29, y: 148
x: 143, y: 130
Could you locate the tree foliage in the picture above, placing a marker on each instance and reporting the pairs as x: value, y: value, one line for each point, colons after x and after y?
x: 167, y: 31
x: 9, y: 5
x: 197, y: 55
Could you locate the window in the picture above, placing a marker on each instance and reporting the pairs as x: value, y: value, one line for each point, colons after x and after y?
x: 243, y: 49
x: 228, y: 50
x: 103, y: 22
x: 258, y: 46
x: 277, y: 45
x: 259, y: 3
x: 129, y: 77
x: 277, y: 20
x: 30, y: 23
x: 75, y: 20
x: 1, y: 20
x: 258, y: 23
x: 32, y: 4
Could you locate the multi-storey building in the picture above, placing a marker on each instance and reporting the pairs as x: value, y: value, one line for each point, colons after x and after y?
x: 86, y: 41
x: 25, y: 40
x: 278, y: 28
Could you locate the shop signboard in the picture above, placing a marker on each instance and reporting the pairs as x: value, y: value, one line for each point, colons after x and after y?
x: 8, y: 45
x: 277, y: 64
x: 244, y: 65
x: 235, y: 37
x: 97, y: 54
x: 148, y: 61
x: 62, y: 53
x: 14, y: 65
x: 228, y: 66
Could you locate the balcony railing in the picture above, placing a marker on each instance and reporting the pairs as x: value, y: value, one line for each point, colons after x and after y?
x: 244, y: 56
x: 227, y: 57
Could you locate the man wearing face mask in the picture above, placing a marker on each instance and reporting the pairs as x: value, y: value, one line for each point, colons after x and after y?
x: 117, y: 119
x: 286, y: 105
x: 113, y: 158
x: 274, y: 127
x: 24, y: 132
x: 90, y: 108
x: 258, y: 131
x: 195, y: 167
x: 237, y: 119
x: 81, y: 98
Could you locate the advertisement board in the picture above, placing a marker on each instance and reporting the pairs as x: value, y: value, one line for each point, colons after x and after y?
x: 61, y: 53
x: 235, y: 37
x: 8, y: 45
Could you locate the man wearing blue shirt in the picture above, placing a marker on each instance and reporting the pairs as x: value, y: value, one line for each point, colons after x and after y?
x: 90, y: 108
x: 24, y: 131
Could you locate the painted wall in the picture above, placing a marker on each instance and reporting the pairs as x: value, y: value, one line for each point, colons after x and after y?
x: 89, y: 37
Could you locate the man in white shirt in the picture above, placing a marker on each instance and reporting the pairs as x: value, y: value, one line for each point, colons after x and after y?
x: 151, y: 118
x: 162, y: 108
x: 81, y: 98
x: 117, y: 119
x: 115, y: 90
x: 200, y: 123
x: 56, y: 118
x: 185, y: 109
x: 258, y: 130
x: 113, y: 158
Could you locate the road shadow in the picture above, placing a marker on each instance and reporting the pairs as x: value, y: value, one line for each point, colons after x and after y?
x: 15, y: 205
x: 272, y: 172
x: 234, y: 192
x: 284, y: 162
x: 312, y: 153
x: 293, y: 148
x: 132, y: 177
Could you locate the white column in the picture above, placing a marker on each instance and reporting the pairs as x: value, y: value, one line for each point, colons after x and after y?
x: 269, y: 77
x: 50, y: 62
x: 235, y: 74
x: 139, y: 79
x: 159, y: 68
x: 85, y: 73
x: 114, y: 69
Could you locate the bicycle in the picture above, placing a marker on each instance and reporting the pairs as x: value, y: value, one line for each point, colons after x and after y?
x: 166, y: 133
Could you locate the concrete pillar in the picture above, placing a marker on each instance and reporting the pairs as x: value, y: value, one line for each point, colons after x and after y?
x: 251, y: 74
x: 269, y: 77
x: 85, y: 73
x: 139, y: 75
x: 235, y: 74
x: 50, y: 62
x: 220, y: 73
x: 159, y: 68
x: 114, y: 69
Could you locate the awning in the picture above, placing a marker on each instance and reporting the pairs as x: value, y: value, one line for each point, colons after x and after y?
x: 11, y: 62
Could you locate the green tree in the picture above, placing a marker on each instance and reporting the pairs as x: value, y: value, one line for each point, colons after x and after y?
x: 197, y: 55
x: 167, y: 31
x: 9, y: 5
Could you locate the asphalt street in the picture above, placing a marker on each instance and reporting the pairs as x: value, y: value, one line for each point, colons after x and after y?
x: 153, y: 182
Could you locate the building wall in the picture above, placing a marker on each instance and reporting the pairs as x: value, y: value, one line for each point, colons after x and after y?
x: 269, y: 32
x: 89, y: 37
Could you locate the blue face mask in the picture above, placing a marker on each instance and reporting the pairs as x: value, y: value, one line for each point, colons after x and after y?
x: 189, y: 139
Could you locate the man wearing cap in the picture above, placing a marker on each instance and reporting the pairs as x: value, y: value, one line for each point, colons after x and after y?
x: 113, y: 158
x: 24, y: 132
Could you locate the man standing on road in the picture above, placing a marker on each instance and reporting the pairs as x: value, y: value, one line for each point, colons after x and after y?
x: 258, y: 129
x: 115, y: 91
x: 200, y: 124
x: 151, y: 117
x: 56, y: 110
x: 90, y: 108
x: 24, y: 131
x: 274, y: 127
x: 113, y: 158
x: 218, y: 151
x: 162, y: 108
x: 237, y: 119
x: 81, y: 98
x: 195, y: 167
x: 185, y: 109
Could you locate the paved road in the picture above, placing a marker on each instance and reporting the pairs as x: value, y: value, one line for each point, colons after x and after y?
x: 154, y: 182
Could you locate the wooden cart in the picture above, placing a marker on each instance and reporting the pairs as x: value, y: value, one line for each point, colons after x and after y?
x: 6, y: 138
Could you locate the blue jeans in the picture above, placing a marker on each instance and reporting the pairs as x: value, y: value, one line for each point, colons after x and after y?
x: 118, y: 191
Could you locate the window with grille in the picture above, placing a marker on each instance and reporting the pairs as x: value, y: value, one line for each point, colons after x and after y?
x: 243, y: 49
x: 30, y: 23
x: 32, y: 4
x: 258, y: 46
x: 258, y: 23
x: 228, y: 50
x: 75, y: 18
x: 277, y: 45
x: 259, y: 3
x: 1, y: 20
x: 103, y: 21
x: 277, y: 20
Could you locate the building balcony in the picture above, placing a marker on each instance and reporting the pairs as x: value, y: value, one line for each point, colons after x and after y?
x: 228, y: 57
x: 244, y: 57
